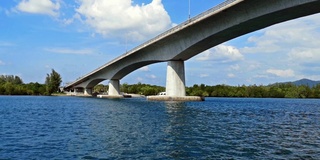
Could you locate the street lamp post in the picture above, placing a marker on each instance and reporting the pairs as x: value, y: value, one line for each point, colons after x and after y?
x: 189, y: 9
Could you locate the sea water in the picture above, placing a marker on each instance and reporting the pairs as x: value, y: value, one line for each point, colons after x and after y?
x: 133, y: 128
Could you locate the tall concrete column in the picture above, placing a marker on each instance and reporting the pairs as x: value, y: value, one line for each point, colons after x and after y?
x: 175, y: 85
x: 87, y: 91
x: 114, y: 87
x: 74, y: 92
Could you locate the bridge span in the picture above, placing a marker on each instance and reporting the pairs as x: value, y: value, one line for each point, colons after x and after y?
x: 228, y: 20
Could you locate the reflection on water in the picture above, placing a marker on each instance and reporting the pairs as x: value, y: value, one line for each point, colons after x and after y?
x: 218, y: 128
x: 187, y: 135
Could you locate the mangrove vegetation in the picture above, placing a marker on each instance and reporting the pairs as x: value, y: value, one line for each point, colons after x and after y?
x: 278, y: 90
x: 13, y: 85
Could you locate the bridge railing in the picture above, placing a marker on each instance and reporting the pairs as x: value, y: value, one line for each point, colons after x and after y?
x: 166, y: 33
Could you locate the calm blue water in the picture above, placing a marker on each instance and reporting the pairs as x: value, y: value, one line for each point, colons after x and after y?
x: 218, y: 128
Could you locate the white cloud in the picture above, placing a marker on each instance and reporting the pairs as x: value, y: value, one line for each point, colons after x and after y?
x: 253, y: 66
x: 292, y: 45
x: 46, y: 7
x: 235, y: 67
x: 261, y: 76
x: 281, y: 73
x: 204, y: 75
x: 281, y: 38
x: 68, y: 21
x: 305, y: 55
x: 120, y: 18
x: 231, y: 75
x: 145, y: 69
x: 221, y: 53
x: 151, y: 76
x: 2, y: 63
x: 139, y: 79
x: 69, y: 51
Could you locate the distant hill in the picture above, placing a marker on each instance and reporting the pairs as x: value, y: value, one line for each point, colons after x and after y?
x: 304, y: 81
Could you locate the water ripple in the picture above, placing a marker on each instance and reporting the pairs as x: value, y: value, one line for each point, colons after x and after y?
x: 218, y: 128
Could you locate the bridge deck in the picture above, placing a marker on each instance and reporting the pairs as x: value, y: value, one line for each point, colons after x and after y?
x: 185, y: 24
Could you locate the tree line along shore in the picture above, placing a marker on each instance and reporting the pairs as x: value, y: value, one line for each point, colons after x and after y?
x: 13, y: 85
x: 283, y: 90
x: 279, y: 90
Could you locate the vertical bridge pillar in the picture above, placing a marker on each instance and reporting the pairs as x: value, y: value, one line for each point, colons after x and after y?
x: 88, y: 91
x: 114, y: 87
x: 175, y: 85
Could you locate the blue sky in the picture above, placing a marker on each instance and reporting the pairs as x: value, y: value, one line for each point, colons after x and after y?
x: 75, y: 37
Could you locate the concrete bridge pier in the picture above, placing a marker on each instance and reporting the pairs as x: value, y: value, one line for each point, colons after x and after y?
x: 114, y: 89
x: 87, y: 91
x: 175, y: 84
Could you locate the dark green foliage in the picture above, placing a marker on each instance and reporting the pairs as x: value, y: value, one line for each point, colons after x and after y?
x: 100, y: 88
x: 143, y: 89
x: 13, y: 85
x: 279, y: 90
x: 36, y: 89
x: 53, y: 81
x: 11, y: 79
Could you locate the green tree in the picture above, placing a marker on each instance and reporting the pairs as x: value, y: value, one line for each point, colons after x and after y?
x: 9, y: 88
x: 148, y: 90
x: 316, y: 91
x: 35, y: 88
x: 276, y: 92
x: 10, y: 78
x: 124, y: 87
x: 17, y: 80
x: 53, y: 81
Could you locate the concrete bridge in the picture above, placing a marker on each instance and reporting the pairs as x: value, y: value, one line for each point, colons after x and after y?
x: 224, y: 22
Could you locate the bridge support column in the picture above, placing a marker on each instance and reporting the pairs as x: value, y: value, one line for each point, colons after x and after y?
x: 114, y: 87
x: 73, y: 93
x: 175, y: 85
x: 77, y: 91
x: 87, y: 91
